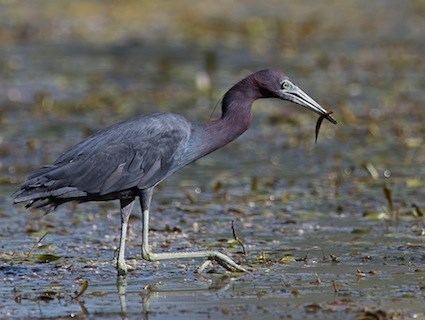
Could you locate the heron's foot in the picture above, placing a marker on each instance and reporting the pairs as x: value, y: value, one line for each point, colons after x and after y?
x: 227, y: 263
x: 221, y: 258
x: 232, y: 267
x: 203, y: 266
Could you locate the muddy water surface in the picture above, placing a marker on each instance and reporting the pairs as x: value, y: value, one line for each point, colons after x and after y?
x: 332, y: 230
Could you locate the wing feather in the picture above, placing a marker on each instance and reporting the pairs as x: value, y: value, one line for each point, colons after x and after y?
x: 137, y: 153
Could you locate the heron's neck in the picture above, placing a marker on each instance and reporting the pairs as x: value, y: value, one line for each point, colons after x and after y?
x: 235, y: 119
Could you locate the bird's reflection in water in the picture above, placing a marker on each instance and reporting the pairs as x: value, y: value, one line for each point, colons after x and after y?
x: 153, y: 292
x: 122, y: 289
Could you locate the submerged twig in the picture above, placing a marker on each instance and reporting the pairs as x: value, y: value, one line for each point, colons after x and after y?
x: 335, y: 286
x: 83, y: 289
x: 237, y: 239
x: 320, y: 120
x: 37, y: 243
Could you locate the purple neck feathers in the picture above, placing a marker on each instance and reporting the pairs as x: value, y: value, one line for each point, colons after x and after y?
x: 236, y: 115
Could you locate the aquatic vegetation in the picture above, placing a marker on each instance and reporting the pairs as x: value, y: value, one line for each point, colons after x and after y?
x: 331, y: 229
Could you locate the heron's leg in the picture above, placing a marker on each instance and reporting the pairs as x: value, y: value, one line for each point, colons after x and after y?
x: 147, y: 254
x: 126, y: 207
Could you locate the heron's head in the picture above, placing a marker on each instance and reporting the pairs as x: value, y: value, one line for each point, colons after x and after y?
x: 275, y: 84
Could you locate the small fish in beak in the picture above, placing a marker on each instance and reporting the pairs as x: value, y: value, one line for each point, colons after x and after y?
x: 289, y: 91
x: 323, y: 116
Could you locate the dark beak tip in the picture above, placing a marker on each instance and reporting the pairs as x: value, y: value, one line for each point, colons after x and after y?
x: 330, y: 119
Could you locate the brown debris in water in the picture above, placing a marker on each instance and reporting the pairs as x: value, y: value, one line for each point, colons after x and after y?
x: 237, y: 239
x: 389, y: 197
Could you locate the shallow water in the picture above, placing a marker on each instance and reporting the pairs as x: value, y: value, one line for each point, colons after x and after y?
x: 322, y: 238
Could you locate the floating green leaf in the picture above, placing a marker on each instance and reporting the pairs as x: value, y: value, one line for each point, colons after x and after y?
x: 45, y: 258
x: 375, y: 215
x: 287, y: 259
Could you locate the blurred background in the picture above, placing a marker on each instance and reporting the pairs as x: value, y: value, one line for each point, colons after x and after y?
x: 68, y: 68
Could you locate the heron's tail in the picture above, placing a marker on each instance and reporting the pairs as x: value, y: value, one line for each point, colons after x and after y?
x: 39, y: 191
x: 35, y: 198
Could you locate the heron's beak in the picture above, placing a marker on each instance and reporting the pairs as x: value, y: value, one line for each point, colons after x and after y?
x: 292, y: 93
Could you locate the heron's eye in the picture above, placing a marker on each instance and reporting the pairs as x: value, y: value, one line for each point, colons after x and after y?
x: 285, y: 85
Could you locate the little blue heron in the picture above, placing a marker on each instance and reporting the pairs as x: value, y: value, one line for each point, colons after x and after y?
x: 128, y: 159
